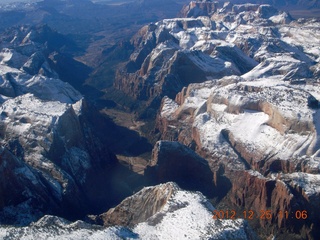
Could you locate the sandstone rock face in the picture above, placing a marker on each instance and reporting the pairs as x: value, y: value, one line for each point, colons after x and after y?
x: 129, y: 212
x: 176, y: 52
x: 165, y: 212
x: 200, y: 8
x: 267, y: 134
x: 253, y: 191
x: 258, y: 131
x: 172, y: 161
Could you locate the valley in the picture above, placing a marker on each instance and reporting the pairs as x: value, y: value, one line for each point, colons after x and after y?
x: 137, y: 119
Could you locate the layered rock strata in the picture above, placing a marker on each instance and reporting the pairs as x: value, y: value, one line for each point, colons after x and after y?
x: 259, y: 129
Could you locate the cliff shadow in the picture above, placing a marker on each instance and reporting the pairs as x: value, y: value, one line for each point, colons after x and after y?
x: 175, y: 162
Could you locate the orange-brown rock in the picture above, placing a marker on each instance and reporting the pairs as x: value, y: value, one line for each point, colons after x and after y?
x: 200, y: 8
x: 251, y: 191
x: 139, y: 207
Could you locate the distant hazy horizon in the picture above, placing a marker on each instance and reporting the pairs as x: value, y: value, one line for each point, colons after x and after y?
x: 12, y: 1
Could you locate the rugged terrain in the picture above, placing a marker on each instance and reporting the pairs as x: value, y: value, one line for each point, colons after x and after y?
x: 169, y: 213
x: 298, y: 8
x: 238, y: 84
x: 231, y: 91
x: 54, y: 158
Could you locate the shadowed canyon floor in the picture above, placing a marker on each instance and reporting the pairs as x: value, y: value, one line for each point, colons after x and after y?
x: 149, y: 127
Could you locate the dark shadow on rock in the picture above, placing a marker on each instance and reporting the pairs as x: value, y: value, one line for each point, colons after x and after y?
x: 175, y: 162
x: 120, y: 140
x: 70, y: 70
x: 107, y: 189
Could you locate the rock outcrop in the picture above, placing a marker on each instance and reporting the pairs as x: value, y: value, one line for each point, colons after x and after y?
x: 56, y: 141
x: 200, y: 8
x: 172, y: 161
x: 53, y: 158
x: 170, y: 212
x: 128, y: 212
x: 173, y: 53
x: 258, y: 131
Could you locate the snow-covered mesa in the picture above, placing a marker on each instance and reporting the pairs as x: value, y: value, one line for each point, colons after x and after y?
x: 282, y: 53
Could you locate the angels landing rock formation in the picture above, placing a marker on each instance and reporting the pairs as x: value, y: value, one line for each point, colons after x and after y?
x: 169, y: 213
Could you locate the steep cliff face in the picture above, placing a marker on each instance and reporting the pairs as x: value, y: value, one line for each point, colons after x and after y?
x: 173, y: 161
x: 20, y: 183
x: 269, y: 129
x: 258, y: 131
x: 285, y: 202
x: 52, y: 159
x: 200, y: 8
x: 170, y: 212
x: 174, y: 53
x: 128, y: 212
x: 56, y: 141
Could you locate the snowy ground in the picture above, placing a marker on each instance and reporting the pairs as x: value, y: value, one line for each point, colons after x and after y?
x: 187, y: 215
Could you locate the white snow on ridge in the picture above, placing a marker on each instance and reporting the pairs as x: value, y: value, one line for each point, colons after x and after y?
x: 185, y: 223
x: 273, y: 66
x: 32, y: 120
x: 52, y: 89
x: 12, y: 58
x: 310, y: 183
x: 33, y: 106
x: 306, y: 37
x: 169, y: 106
x: 65, y: 231
x: 14, y: 81
x: 187, y: 215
